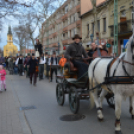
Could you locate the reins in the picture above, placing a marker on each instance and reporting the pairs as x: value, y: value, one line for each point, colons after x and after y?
x: 127, y: 62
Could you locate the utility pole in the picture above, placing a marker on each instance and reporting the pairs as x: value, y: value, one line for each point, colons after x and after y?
x: 133, y: 18
x: 116, y: 27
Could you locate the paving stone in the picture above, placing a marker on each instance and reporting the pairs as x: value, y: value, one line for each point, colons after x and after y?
x: 9, y: 113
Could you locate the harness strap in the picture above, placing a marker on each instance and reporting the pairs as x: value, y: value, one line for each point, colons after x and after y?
x: 94, y: 69
x: 108, y: 68
x: 95, y: 66
x: 124, y: 68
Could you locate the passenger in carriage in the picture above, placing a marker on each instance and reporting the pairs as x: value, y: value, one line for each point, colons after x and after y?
x: 75, y: 52
x: 93, y: 49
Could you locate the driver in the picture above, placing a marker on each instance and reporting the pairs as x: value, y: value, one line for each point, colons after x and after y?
x: 75, y: 52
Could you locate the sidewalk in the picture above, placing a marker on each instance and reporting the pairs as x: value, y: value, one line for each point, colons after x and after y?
x: 12, y: 120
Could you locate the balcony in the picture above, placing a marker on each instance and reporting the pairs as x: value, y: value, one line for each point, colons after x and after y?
x: 78, y: 23
x: 64, y: 17
x: 65, y: 30
x: 78, y: 8
x: 124, y: 28
x: 55, y: 34
x: 65, y: 42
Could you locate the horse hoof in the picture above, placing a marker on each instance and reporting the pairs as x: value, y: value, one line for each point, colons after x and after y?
x: 132, y: 117
x: 100, y: 120
x: 118, y: 132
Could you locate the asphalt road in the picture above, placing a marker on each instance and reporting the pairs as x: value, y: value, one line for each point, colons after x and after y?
x: 45, y: 118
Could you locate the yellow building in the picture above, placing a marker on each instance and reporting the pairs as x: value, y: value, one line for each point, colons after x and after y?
x: 10, y: 49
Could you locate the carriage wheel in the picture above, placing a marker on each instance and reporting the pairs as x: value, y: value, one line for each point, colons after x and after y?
x: 60, y: 94
x: 110, y: 100
x: 73, y: 101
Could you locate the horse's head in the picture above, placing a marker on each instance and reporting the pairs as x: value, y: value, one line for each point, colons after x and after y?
x: 130, y: 46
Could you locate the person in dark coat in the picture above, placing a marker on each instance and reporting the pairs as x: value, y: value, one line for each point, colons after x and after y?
x: 54, y: 65
x: 2, y: 60
x: 38, y: 47
x: 32, y: 64
x: 75, y: 52
x: 19, y: 63
x: 25, y: 65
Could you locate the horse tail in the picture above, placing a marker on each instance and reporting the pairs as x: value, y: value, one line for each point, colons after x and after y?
x: 91, y: 94
x: 92, y: 104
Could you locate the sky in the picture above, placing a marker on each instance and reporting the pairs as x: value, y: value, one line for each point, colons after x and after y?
x: 12, y: 22
x: 9, y: 20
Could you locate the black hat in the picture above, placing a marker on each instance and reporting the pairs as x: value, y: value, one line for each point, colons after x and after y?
x: 54, y: 52
x: 76, y: 37
x: 33, y: 54
x: 20, y: 54
x: 28, y: 54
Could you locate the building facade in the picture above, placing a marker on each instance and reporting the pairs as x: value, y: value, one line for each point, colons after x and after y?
x: 10, y: 49
x: 88, y: 22
x: 61, y: 26
x: 125, y: 8
x: 105, y: 22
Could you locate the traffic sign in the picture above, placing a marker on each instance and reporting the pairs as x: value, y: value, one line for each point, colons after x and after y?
x: 108, y: 45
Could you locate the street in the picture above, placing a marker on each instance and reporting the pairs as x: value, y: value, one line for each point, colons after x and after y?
x: 44, y: 119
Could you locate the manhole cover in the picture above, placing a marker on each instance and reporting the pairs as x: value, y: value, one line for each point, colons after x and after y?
x: 27, y: 108
x: 72, y: 117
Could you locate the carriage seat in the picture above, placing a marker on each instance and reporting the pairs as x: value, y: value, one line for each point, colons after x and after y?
x: 70, y: 66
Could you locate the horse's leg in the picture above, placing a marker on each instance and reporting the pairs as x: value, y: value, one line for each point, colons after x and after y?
x: 99, y: 109
x: 131, y: 110
x: 102, y: 96
x: 118, y: 100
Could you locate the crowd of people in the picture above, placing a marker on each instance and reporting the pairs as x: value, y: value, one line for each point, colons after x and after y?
x: 44, y: 65
x: 31, y: 66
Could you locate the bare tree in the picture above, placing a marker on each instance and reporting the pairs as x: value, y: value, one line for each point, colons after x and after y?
x: 21, y: 37
x: 49, y: 17
x: 13, y: 8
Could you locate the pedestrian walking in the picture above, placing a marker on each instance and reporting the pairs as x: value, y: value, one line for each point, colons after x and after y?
x: 11, y: 66
x: 62, y: 62
x: 48, y: 61
x: 2, y: 78
x: 6, y: 61
x: 42, y: 61
x: 19, y: 63
x: 33, y: 69
x: 54, y: 65
x: 2, y: 60
x: 25, y: 65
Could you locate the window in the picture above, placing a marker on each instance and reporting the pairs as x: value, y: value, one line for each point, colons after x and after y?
x: 93, y: 28
x: 66, y: 8
x: 74, y: 18
x: 104, y: 24
x: 87, y: 30
x: 123, y: 13
x: 98, y: 25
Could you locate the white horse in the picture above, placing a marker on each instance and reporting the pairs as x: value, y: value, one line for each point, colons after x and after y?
x: 97, y: 73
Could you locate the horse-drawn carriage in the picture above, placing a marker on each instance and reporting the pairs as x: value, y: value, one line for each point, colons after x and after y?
x: 76, y: 88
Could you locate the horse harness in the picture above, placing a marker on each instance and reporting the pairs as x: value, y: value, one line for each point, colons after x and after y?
x: 115, y: 79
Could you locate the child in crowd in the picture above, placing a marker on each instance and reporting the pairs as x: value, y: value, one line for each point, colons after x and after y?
x: 2, y: 78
